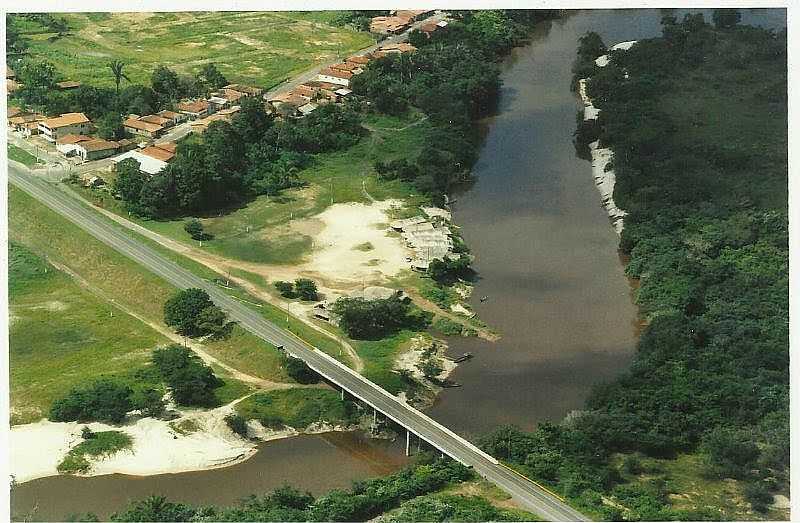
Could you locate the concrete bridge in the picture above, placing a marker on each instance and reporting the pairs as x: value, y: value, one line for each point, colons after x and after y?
x: 530, y: 495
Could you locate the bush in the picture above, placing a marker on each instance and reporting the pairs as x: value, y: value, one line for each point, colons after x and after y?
x: 237, y: 424
x: 375, y: 319
x: 758, y: 495
x: 196, y: 231
x: 728, y: 453
x: 299, y: 371
x: 285, y: 288
x: 86, y: 433
x: 192, y: 382
x: 104, y: 400
x: 305, y: 289
x: 149, y: 401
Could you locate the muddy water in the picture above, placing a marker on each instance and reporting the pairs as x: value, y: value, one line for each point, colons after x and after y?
x: 548, y: 263
x: 316, y: 463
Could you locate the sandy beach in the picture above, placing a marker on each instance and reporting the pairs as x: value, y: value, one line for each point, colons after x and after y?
x: 604, y: 178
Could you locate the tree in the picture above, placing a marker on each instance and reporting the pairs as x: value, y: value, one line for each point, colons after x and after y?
x: 109, y: 126
x: 186, y: 311
x: 149, y: 401
x: 196, y: 231
x: 154, y: 508
x: 210, y: 76
x: 306, y: 289
x: 103, y: 400
x: 285, y: 288
x: 129, y: 182
x: 117, y: 67
x: 362, y: 319
x: 165, y: 84
x: 299, y: 371
x: 191, y: 381
x: 157, y: 197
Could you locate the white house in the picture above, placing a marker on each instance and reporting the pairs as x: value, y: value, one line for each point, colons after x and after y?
x: 147, y: 164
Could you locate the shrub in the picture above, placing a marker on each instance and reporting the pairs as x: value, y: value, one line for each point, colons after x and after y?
x: 104, y: 400
x: 196, y: 231
x: 305, y: 289
x: 237, y: 424
x: 192, y: 382
x: 192, y: 313
x: 285, y: 288
x: 758, y: 495
x: 299, y: 371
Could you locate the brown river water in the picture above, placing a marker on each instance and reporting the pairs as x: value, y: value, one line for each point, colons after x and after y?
x: 548, y: 262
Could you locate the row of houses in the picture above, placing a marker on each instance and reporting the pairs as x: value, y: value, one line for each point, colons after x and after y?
x: 397, y: 21
x: 152, y: 125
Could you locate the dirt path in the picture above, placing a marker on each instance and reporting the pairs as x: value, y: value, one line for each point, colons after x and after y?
x: 196, y: 347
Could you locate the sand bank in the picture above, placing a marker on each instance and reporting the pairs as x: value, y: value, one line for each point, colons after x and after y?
x: 604, y: 177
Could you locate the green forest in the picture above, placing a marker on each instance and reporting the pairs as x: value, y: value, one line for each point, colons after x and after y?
x: 697, y: 122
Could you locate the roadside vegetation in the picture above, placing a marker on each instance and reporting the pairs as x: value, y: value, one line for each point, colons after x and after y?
x: 698, y: 428
x: 20, y: 155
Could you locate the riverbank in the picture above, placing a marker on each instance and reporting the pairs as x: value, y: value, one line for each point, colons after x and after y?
x: 602, y: 157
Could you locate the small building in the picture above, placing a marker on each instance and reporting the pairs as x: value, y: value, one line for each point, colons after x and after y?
x: 143, y: 128
x: 69, y: 123
x: 308, y: 108
x: 349, y: 67
x: 194, y: 109
x: 176, y: 118
x: 68, y: 144
x: 91, y: 180
x: 147, y: 164
x: 361, y: 60
x: 67, y: 85
x: 156, y: 119
x: 27, y: 125
x: 413, y: 14
x: 399, y: 48
x: 96, y: 149
x: 380, y: 293
x: 335, y: 76
x: 245, y: 89
x: 159, y: 152
x: 389, y: 24
x: 429, y: 28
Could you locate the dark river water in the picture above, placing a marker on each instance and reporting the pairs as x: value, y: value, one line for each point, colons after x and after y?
x: 548, y: 262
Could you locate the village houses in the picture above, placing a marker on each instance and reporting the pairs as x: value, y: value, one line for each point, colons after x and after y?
x: 52, y: 129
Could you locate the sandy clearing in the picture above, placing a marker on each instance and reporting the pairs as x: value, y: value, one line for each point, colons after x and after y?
x: 345, y: 227
x: 37, y: 448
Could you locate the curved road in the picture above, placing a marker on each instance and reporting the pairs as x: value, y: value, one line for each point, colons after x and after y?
x: 531, y: 496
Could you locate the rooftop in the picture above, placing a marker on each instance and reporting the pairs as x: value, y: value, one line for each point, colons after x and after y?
x: 158, y: 153
x: 65, y: 120
x: 143, y: 125
x: 97, y: 144
x: 198, y: 106
x: 336, y: 73
x: 73, y: 138
x: 147, y: 164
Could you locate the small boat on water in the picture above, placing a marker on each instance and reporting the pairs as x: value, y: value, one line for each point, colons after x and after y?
x: 464, y: 357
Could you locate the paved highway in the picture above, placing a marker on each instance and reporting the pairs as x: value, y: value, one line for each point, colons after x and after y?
x: 529, y: 495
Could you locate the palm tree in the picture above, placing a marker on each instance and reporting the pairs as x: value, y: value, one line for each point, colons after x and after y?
x: 116, y: 69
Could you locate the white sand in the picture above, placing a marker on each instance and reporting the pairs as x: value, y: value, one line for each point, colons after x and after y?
x: 604, y: 178
x: 38, y: 448
x: 347, y: 226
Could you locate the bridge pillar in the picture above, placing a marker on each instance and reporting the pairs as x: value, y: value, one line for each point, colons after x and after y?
x: 408, y: 442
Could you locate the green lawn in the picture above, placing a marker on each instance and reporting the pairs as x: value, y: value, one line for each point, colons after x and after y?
x: 379, y: 357
x: 62, y: 335
x: 130, y: 284
x: 21, y: 155
x: 261, y: 48
x: 297, y: 408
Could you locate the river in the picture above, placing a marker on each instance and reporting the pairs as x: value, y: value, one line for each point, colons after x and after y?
x: 548, y: 262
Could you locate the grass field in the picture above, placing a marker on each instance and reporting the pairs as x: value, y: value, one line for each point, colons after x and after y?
x: 379, y: 359
x: 260, y: 48
x: 62, y: 335
x: 260, y: 231
x: 296, y: 408
x: 100, y: 444
x: 21, y: 155
x: 130, y: 284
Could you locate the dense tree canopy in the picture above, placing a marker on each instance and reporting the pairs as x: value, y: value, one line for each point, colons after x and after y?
x: 192, y: 313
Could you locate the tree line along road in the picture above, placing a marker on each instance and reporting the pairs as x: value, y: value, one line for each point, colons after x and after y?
x: 531, y: 496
